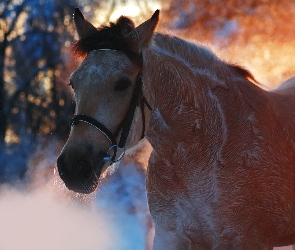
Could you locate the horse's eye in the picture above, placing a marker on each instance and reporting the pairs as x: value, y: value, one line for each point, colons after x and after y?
x: 122, y: 84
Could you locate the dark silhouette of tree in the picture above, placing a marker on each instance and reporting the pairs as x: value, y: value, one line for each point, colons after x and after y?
x: 8, y: 20
x: 33, y: 39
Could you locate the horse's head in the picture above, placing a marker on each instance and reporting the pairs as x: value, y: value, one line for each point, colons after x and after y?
x: 107, y: 88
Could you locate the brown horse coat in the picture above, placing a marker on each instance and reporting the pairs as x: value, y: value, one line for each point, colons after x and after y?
x: 221, y: 175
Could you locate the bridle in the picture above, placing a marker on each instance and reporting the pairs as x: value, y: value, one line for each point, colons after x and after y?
x: 138, y: 100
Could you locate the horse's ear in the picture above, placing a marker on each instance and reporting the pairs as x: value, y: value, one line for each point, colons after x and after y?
x: 142, y: 35
x: 84, y: 28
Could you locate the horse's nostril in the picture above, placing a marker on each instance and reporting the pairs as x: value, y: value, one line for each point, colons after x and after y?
x: 77, y: 173
x: 82, y: 170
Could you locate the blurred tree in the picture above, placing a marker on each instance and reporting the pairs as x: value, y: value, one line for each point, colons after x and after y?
x: 206, y: 17
x: 33, y: 38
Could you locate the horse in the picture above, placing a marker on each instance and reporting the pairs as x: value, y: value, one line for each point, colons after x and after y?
x: 222, y: 171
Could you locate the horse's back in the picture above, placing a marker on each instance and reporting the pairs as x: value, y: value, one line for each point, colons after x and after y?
x: 287, y: 87
x: 284, y: 99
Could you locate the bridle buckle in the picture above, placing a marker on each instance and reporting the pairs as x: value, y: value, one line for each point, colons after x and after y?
x: 108, y: 158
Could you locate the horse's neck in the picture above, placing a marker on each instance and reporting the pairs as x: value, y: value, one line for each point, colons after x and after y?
x: 192, y: 55
x: 171, y: 63
x: 184, y: 86
x: 195, y: 66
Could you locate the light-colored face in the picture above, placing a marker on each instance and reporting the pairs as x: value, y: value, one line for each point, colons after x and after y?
x: 103, y: 87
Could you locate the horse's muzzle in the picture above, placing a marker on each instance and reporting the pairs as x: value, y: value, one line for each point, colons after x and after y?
x: 78, y: 174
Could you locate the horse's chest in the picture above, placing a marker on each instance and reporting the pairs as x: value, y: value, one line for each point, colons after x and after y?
x: 180, y: 220
x: 171, y: 203
x: 206, y: 212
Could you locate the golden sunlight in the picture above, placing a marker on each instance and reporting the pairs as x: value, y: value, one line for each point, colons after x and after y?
x: 132, y: 8
x: 11, y: 137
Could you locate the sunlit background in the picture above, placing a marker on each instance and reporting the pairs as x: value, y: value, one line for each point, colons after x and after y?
x: 36, y: 210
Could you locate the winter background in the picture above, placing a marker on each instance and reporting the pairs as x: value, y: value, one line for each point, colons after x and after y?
x: 37, y: 212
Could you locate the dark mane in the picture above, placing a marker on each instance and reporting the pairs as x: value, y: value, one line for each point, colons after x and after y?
x: 198, y: 55
x: 108, y: 37
x: 244, y: 73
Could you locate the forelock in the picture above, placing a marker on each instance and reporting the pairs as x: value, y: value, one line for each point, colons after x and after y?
x: 112, y: 36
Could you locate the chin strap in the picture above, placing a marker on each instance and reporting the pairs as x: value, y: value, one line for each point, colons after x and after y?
x: 137, y: 100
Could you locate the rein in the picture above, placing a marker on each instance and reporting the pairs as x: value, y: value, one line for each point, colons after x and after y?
x: 138, y: 100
